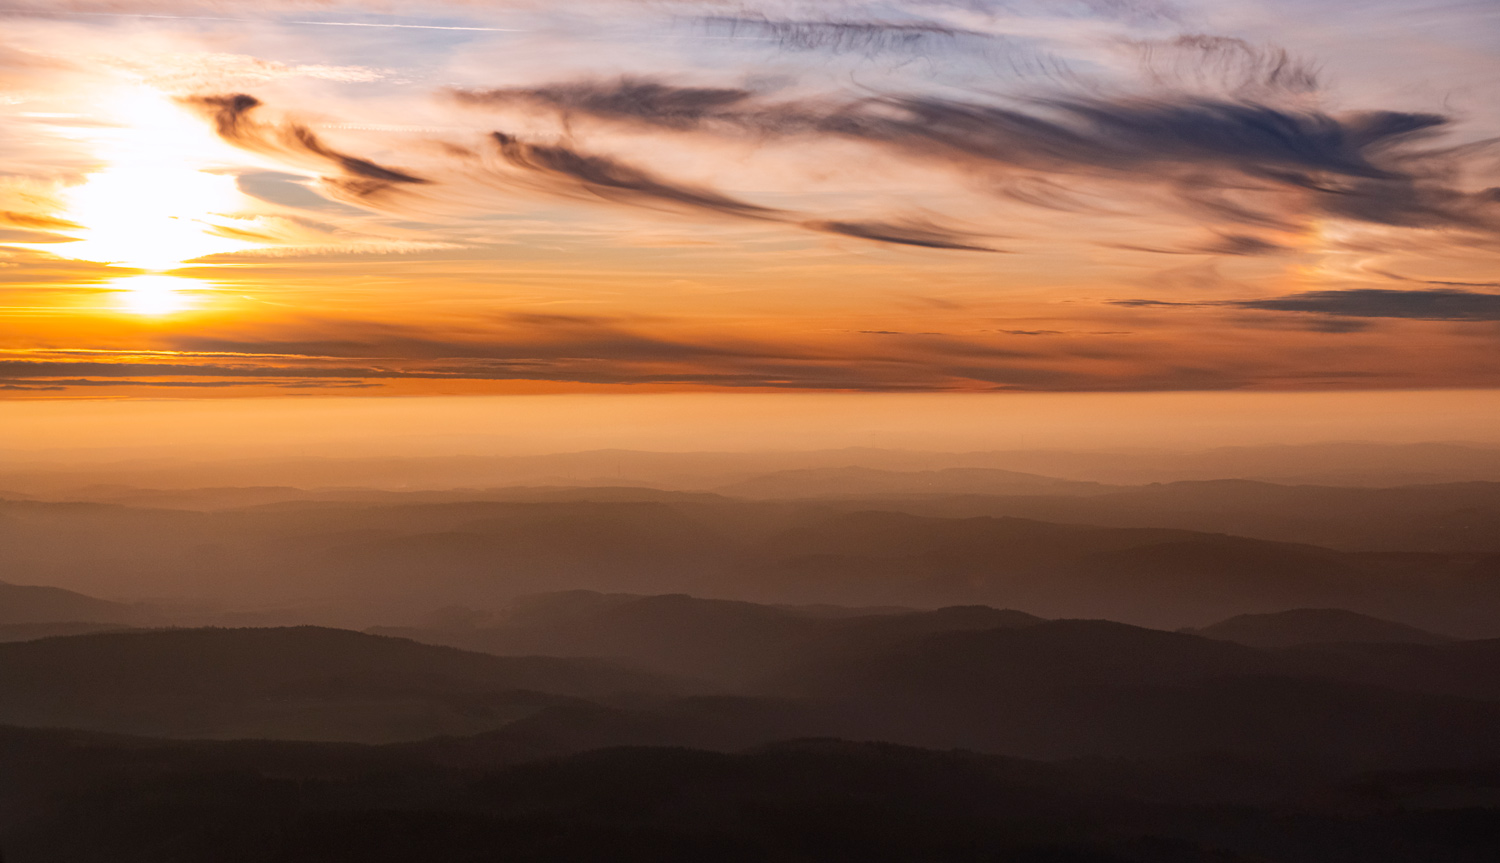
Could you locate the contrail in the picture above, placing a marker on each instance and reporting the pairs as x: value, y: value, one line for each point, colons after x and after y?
x: 33, y: 13
x: 406, y: 26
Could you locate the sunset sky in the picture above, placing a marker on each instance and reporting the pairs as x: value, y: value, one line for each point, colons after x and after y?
x: 504, y: 197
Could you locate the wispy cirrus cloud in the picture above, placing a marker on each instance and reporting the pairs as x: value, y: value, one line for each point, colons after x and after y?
x: 297, y: 142
x: 1362, y: 165
x: 508, y: 162
x: 564, y: 170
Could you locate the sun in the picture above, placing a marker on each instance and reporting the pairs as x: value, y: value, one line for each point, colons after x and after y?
x: 154, y: 295
x: 153, y: 205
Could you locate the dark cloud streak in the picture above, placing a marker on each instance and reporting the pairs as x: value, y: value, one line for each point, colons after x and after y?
x: 231, y: 118
x: 1429, y: 305
x: 559, y: 169
x: 925, y: 235
x: 626, y: 99
x: 1440, y: 304
x: 613, y: 180
x: 1360, y: 165
x: 564, y: 170
x: 870, y: 38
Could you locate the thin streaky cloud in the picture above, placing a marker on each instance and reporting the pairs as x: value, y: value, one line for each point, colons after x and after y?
x: 278, y: 21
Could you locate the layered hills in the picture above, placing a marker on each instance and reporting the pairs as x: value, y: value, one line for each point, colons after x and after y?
x: 294, y: 683
x: 1315, y: 626
x: 364, y: 563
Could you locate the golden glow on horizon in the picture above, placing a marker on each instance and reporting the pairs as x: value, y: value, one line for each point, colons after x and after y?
x: 153, y: 205
x: 154, y: 295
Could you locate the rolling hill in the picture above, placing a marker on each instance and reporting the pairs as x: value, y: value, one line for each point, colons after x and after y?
x: 21, y: 604
x: 864, y: 481
x: 734, y: 644
x: 1314, y: 626
x: 291, y: 683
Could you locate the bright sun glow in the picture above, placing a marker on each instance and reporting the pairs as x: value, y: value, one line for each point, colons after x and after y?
x: 154, y: 295
x: 152, y: 206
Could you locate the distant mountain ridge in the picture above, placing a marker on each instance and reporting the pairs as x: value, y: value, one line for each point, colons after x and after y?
x: 68, y: 796
x: 21, y: 604
x: 855, y: 481
x: 1336, y: 463
x: 1315, y: 626
x: 306, y: 683
x: 371, y: 562
x: 731, y: 642
x: 33, y: 631
x: 976, y: 678
x: 1444, y: 518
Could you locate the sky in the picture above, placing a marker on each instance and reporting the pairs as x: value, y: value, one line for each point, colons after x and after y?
x: 503, y: 197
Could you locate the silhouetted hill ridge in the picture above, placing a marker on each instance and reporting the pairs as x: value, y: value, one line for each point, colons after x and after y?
x: 298, y: 682
x: 264, y: 658
x: 1434, y: 517
x: 1058, y: 652
x: 373, y: 562
x: 33, y: 631
x: 732, y: 642
x: 86, y: 798
x: 1312, y: 626
x: 854, y: 480
x: 21, y: 604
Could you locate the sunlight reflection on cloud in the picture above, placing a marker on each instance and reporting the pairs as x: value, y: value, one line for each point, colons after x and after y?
x: 154, y: 295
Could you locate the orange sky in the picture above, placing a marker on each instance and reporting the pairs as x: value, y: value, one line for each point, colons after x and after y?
x: 235, y: 199
x: 112, y: 430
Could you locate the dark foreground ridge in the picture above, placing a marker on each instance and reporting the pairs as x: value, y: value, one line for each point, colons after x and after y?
x: 962, y: 734
x: 1315, y: 626
x: 1302, y: 674
x: 77, y: 797
x: 974, y: 678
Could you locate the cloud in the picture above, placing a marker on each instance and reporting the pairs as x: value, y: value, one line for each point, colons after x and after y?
x: 198, y: 71
x: 1439, y: 304
x: 1447, y: 283
x: 55, y: 385
x: 1204, y: 62
x: 565, y: 170
x: 1152, y: 304
x: 1429, y: 305
x: 601, y: 350
x: 1243, y: 245
x: 923, y: 234
x: 613, y: 351
x: 231, y: 118
x: 865, y: 37
x: 286, y: 190
x: 1361, y: 166
x: 554, y: 169
x: 36, y: 220
x: 627, y: 98
x: 1056, y: 132
x: 514, y: 337
x: 594, y: 350
x: 12, y: 236
x: 15, y: 370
